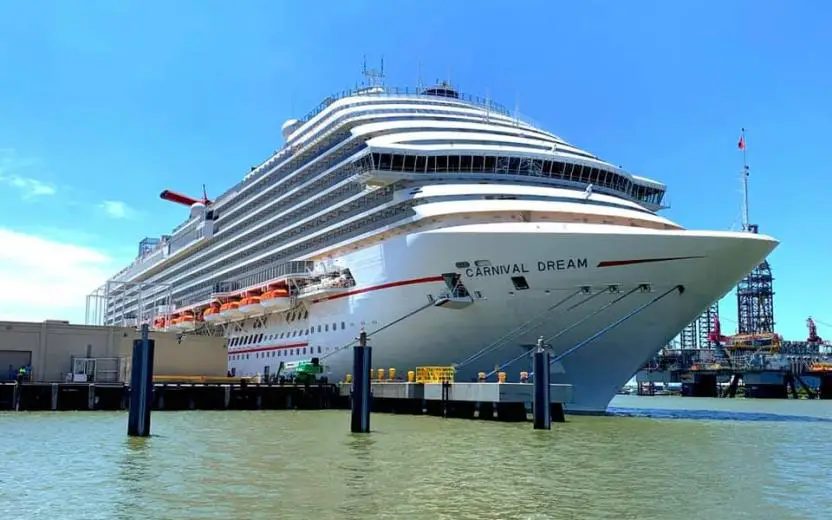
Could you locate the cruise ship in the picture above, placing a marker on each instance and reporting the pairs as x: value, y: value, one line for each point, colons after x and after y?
x: 451, y: 231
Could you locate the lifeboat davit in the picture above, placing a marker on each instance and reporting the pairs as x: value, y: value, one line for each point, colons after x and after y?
x: 212, y: 314
x: 276, y: 300
x: 231, y: 310
x: 251, y: 305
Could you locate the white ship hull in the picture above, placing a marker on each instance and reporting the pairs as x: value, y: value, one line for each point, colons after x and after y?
x: 398, y: 276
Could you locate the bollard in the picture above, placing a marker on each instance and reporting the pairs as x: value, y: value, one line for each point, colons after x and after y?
x: 411, y: 376
x: 361, y: 361
x: 391, y: 373
x: 541, y: 407
x: 141, y: 386
x: 380, y: 374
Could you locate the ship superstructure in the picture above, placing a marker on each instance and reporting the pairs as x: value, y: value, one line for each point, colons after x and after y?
x: 439, y: 222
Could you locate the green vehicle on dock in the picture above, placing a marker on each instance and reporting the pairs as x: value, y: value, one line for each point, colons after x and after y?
x: 303, y: 372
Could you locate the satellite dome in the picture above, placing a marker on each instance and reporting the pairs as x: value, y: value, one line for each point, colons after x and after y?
x: 288, y: 127
x: 197, y: 209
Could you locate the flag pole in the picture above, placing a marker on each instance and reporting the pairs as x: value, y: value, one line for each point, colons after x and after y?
x: 742, y: 145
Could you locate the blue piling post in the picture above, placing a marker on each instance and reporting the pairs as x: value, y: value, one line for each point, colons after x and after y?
x: 361, y: 363
x: 541, y: 409
x: 141, y: 386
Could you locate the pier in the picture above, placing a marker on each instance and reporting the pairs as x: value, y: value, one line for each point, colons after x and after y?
x: 169, y: 396
x: 490, y: 401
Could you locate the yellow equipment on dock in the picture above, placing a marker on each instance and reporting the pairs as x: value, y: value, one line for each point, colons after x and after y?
x: 434, y: 374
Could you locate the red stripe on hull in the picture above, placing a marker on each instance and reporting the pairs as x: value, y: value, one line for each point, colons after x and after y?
x: 618, y: 263
x: 427, y: 279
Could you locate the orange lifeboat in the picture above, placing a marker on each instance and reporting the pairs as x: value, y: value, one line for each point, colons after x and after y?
x: 187, y: 321
x: 251, y: 305
x: 212, y: 313
x: 231, y: 310
x: 276, y: 300
x: 173, y: 322
x: 159, y: 322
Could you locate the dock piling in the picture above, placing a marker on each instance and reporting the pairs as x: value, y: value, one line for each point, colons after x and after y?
x: 362, y: 360
x: 541, y: 409
x: 55, y: 392
x: 141, y: 386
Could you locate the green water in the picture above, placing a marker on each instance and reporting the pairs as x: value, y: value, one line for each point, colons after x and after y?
x: 748, y: 459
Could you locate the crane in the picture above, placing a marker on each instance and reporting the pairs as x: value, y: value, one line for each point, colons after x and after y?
x: 813, y: 331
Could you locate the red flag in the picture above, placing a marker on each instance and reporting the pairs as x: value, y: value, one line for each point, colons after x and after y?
x: 741, y: 143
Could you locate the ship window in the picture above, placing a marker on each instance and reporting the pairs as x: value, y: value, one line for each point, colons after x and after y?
x: 319, y: 349
x: 326, y: 328
x: 453, y: 163
x: 319, y: 328
x: 305, y: 314
x: 465, y: 163
x: 304, y: 350
x: 343, y: 326
x: 398, y: 163
x: 384, y: 161
x: 519, y: 282
x: 441, y: 163
x: 462, y: 265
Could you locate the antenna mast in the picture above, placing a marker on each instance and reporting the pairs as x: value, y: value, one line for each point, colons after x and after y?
x: 373, y: 77
x: 746, y: 226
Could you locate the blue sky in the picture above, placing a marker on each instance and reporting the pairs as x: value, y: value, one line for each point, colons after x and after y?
x: 105, y: 104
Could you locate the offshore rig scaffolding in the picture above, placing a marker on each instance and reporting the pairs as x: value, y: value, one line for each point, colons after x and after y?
x: 707, y: 364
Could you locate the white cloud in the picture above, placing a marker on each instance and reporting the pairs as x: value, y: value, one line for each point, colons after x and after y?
x: 30, y: 187
x: 116, y: 209
x: 47, y: 279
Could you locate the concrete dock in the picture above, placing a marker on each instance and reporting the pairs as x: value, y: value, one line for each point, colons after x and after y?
x: 500, y: 401
x: 169, y: 397
x: 496, y: 401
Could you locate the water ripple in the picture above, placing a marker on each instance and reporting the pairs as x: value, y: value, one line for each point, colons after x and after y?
x: 739, y: 462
